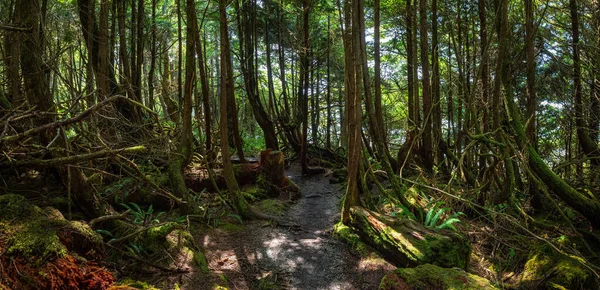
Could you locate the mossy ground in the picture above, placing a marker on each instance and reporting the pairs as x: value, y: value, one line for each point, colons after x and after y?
x: 41, y: 246
x: 556, y: 271
x: 173, y: 239
x: 272, y: 207
x: 429, y: 277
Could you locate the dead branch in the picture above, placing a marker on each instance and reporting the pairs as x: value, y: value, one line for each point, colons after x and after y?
x: 37, y: 163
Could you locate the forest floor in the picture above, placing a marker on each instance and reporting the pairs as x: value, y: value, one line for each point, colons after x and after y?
x: 302, y: 255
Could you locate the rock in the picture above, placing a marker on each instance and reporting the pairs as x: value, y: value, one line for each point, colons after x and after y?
x: 407, y: 243
x: 431, y: 277
x: 45, y: 251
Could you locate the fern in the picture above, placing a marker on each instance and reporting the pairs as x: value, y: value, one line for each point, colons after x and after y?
x: 235, y: 216
x: 434, y: 219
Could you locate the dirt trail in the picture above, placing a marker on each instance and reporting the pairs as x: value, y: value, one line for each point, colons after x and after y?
x: 305, y: 256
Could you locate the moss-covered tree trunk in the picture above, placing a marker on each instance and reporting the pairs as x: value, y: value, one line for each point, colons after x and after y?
x: 588, y: 207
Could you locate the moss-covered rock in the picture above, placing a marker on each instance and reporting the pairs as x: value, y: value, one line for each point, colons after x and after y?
x: 431, y: 277
x: 46, y: 251
x: 548, y: 269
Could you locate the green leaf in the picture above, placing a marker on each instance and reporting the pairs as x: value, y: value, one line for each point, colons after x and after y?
x: 105, y: 232
x: 237, y: 217
x: 437, y: 216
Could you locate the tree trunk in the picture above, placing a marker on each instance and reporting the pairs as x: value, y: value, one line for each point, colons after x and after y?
x: 303, y: 85
x: 249, y: 71
x: 183, y: 155
x: 205, y: 89
x: 102, y: 80
x: 589, y: 146
x: 227, y: 89
x: 328, y: 97
x: 151, y: 101
x: 13, y: 50
x: 435, y: 84
x: 353, y: 105
x: 427, y: 146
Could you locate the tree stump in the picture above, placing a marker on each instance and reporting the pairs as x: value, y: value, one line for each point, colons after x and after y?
x: 272, y: 176
x: 407, y: 243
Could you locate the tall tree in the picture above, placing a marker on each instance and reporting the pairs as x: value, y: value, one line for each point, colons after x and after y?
x: 226, y: 95
x: 303, y: 83
x: 353, y: 105
x: 249, y: 70
x: 182, y: 156
x: 589, y: 147
x: 205, y: 89
x: 427, y: 145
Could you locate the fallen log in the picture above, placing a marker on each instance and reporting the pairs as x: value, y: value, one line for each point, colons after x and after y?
x: 407, y: 243
x: 268, y: 175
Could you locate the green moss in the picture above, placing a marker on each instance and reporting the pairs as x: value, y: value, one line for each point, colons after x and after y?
x: 231, y: 228
x: 85, y: 230
x: 347, y: 234
x: 162, y: 230
x: 429, y: 276
x: 36, y: 239
x: 14, y: 207
x: 272, y: 207
x: 200, y: 261
x: 136, y: 284
x: 445, y: 252
x: 29, y: 232
x: 254, y: 192
x: 567, y: 272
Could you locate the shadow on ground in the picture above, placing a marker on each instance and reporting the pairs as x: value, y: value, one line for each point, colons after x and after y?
x: 303, y: 256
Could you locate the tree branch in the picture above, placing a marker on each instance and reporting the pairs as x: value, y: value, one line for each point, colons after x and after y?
x: 71, y: 159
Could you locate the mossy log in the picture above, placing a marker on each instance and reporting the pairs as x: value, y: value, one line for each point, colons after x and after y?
x: 268, y: 176
x: 406, y: 243
x: 244, y: 174
x: 431, y: 277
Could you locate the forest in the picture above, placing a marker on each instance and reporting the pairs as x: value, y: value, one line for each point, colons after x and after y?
x: 299, y: 144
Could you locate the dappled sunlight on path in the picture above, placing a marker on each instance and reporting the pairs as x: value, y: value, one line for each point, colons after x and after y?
x: 304, y: 256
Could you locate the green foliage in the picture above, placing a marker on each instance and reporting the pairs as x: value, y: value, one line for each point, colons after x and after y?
x: 120, y: 189
x: 236, y: 216
x: 434, y: 218
x: 143, y: 217
x: 405, y: 212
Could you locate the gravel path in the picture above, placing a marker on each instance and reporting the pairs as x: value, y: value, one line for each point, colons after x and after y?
x: 304, y: 256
